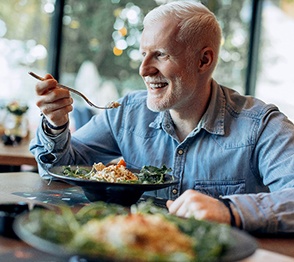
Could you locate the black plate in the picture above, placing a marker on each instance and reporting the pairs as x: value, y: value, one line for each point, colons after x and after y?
x: 243, y: 246
x: 120, y: 193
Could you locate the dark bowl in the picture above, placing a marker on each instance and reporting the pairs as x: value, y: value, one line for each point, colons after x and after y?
x: 124, y: 194
x: 8, y: 213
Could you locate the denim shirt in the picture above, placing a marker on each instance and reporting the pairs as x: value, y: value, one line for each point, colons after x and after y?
x: 242, y: 149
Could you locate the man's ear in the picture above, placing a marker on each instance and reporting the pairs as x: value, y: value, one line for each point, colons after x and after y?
x: 206, y: 59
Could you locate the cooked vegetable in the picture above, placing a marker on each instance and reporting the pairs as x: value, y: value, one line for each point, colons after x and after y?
x: 152, y: 174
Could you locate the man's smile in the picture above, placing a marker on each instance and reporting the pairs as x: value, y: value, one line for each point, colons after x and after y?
x: 153, y: 85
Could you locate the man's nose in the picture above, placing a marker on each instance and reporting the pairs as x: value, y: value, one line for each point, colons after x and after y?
x: 147, y: 68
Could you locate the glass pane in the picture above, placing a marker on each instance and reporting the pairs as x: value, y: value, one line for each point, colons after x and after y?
x: 100, y: 54
x: 275, y: 83
x: 101, y: 42
x: 24, y: 35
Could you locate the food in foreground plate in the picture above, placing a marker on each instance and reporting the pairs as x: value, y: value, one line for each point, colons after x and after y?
x: 111, y: 232
x: 140, y: 236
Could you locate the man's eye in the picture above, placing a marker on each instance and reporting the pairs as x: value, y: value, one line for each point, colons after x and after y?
x: 161, y: 54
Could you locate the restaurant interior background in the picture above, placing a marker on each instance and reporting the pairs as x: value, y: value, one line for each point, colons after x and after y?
x: 92, y: 45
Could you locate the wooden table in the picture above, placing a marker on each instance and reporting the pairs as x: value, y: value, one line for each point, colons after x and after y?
x: 17, y: 155
x: 23, y: 186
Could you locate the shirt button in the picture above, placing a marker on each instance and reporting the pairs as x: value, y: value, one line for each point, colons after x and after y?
x: 168, y: 126
x: 180, y: 151
x: 175, y: 191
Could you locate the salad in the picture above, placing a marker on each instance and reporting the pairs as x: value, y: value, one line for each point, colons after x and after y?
x: 118, y: 173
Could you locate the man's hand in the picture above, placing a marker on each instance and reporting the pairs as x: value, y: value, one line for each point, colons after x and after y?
x: 194, y: 204
x: 55, y: 103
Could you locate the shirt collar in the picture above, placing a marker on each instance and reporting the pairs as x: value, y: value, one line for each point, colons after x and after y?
x: 214, y: 118
x: 158, y: 121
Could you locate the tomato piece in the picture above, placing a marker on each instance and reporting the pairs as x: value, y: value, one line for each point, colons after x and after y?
x: 121, y: 162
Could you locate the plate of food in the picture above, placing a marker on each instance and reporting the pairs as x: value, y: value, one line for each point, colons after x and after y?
x: 114, y: 183
x: 144, y: 232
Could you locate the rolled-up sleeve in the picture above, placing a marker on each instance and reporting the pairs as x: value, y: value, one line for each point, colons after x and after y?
x: 266, y: 212
x: 48, y: 149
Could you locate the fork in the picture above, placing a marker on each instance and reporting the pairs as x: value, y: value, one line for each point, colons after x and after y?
x: 108, y: 106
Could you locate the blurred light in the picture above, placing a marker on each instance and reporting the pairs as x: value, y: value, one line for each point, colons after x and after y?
x: 117, y: 12
x: 118, y: 24
x: 225, y: 55
x: 222, y: 41
x: 22, y: 2
x: 4, y: 67
x: 3, y: 28
x: 123, y: 31
x: 29, y: 59
x: 49, y: 8
x: 121, y: 44
x: 39, y: 52
x: 236, y: 56
x: 131, y: 40
x: 160, y: 2
x: 117, y: 51
x: 132, y: 16
x: 115, y: 1
x: 238, y: 39
x: 134, y: 64
x: 74, y: 24
x: 94, y: 44
x: 116, y: 36
x: 66, y: 20
x: 67, y: 9
x: 227, y: 2
x: 135, y: 55
x: 31, y: 43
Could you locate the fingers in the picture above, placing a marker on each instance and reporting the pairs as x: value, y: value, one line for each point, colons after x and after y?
x: 57, y: 113
x: 55, y: 103
x: 168, y: 203
x: 182, y: 205
x: 54, y: 100
x: 194, y: 204
x: 45, y: 86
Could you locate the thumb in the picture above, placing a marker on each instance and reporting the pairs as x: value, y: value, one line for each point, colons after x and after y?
x: 168, y: 203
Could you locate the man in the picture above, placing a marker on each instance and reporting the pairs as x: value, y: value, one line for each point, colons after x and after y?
x: 219, y: 144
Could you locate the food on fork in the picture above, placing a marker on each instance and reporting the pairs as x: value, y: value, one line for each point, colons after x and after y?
x: 114, y: 104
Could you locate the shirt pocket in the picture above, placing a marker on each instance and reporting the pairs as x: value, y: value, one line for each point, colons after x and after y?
x: 220, y: 188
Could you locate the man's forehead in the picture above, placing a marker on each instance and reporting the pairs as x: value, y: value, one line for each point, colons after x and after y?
x: 159, y: 33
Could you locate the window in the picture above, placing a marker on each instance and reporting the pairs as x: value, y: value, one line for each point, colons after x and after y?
x: 24, y: 42
x: 275, y: 81
x: 92, y: 45
x: 101, y: 40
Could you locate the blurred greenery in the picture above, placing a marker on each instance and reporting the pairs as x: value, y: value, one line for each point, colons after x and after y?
x: 107, y: 33
x: 25, y: 25
x: 90, y: 35
x: 95, y: 30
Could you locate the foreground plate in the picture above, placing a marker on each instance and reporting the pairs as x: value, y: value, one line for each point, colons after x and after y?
x: 243, y: 245
x: 120, y: 193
